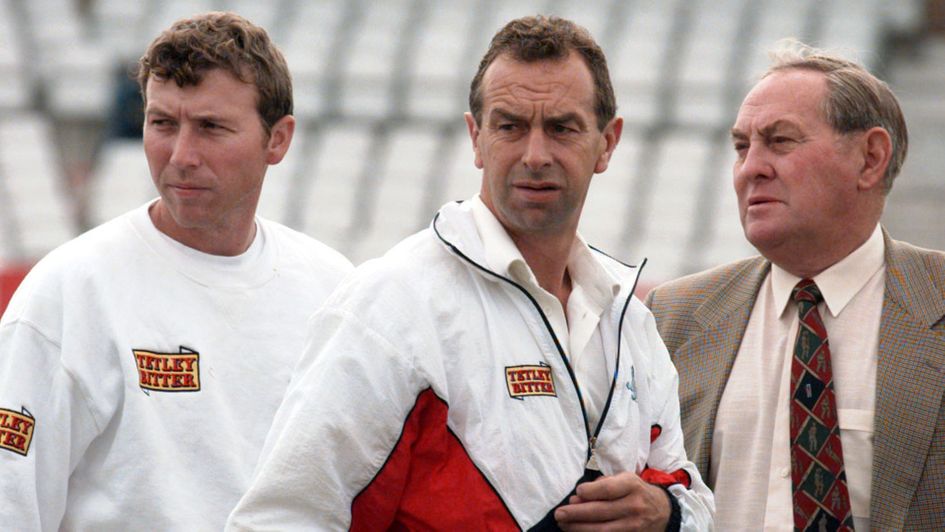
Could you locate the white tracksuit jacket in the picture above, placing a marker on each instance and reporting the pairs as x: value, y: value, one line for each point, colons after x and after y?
x: 433, y: 394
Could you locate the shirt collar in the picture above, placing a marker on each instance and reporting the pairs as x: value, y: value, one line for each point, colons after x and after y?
x: 503, y: 257
x: 838, y: 283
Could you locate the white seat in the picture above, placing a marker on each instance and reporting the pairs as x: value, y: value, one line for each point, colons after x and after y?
x: 638, y: 59
x: 609, y: 199
x: 369, y: 69
x: 14, y: 93
x: 280, y: 185
x: 335, y: 168
x: 119, y: 26
x: 439, y: 73
x: 309, y: 53
x: 460, y: 178
x: 776, y: 20
x: 399, y: 198
x: 121, y: 181
x: 8, y: 251
x: 854, y: 28
x: 40, y: 206
x: 670, y: 218
x: 82, y: 84
x: 593, y: 15
x: 167, y: 12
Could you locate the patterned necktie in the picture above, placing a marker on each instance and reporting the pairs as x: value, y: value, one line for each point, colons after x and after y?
x: 821, y: 498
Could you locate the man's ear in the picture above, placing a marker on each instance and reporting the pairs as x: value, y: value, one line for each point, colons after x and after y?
x: 280, y: 137
x: 611, y: 135
x: 877, y: 154
x: 474, y: 136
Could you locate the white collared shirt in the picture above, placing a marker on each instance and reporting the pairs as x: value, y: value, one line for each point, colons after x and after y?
x: 593, y: 290
x: 751, y: 457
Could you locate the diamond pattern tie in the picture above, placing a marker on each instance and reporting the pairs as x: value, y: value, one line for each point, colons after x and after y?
x: 818, y: 480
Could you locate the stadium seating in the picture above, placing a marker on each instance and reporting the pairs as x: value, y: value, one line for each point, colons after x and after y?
x: 380, y: 87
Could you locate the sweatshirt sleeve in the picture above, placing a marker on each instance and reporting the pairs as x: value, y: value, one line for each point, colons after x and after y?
x: 45, y: 427
x: 340, y: 421
x: 667, y: 452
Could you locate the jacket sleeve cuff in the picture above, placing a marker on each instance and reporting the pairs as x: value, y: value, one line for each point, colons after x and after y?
x: 675, y: 512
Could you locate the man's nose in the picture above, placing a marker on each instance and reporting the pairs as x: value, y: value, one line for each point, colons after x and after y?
x: 755, y: 164
x: 537, y: 150
x: 184, y: 154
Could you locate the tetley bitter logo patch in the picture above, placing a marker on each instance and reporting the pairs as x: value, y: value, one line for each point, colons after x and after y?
x: 528, y: 381
x: 16, y: 430
x: 168, y: 372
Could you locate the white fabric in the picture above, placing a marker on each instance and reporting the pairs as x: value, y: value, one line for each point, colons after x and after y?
x: 593, y: 290
x: 751, y: 455
x: 430, y: 315
x: 109, y: 454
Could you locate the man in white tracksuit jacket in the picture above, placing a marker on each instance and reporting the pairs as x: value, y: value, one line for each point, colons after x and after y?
x: 492, y: 372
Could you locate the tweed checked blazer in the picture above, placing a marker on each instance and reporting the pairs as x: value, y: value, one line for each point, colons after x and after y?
x: 702, y: 318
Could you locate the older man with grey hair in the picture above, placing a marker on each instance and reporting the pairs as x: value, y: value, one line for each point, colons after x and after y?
x: 812, y: 377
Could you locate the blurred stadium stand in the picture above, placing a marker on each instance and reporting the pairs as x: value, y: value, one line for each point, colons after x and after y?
x: 380, y: 87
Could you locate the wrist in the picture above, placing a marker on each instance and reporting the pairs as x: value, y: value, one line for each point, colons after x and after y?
x: 675, y: 512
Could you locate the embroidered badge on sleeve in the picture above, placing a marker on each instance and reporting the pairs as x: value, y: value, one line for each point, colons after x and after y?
x: 168, y: 372
x: 528, y: 381
x: 16, y: 430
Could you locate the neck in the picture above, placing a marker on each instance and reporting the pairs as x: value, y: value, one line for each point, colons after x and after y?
x: 811, y: 257
x: 548, y: 260
x: 228, y: 239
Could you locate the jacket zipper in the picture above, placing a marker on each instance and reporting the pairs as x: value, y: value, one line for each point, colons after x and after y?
x: 591, y: 439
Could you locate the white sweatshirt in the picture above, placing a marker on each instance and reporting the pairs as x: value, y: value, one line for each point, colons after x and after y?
x: 148, y: 374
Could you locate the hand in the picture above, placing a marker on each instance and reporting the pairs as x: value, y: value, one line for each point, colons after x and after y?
x: 617, y: 502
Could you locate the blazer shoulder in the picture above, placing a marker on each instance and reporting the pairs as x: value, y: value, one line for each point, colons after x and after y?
x: 934, y: 261
x: 696, y: 301
x: 704, y: 282
x: 915, y: 278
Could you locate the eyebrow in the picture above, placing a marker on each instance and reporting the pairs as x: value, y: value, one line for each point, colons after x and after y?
x: 566, y: 117
x: 738, y: 134
x: 156, y: 110
x: 507, y: 115
x: 559, y: 119
x: 153, y: 109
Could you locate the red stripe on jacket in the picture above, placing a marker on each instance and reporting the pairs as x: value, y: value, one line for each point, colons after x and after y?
x: 429, y: 482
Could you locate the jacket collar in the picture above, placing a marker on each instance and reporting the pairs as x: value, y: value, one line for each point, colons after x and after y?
x: 455, y: 226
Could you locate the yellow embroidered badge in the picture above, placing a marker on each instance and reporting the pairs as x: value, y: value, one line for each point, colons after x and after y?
x: 168, y: 372
x: 527, y: 381
x: 16, y: 430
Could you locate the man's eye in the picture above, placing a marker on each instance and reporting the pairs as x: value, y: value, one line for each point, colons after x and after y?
x: 506, y: 126
x: 561, y: 128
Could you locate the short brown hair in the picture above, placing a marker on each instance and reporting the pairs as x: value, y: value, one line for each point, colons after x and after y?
x: 540, y: 38
x: 192, y: 46
x: 856, y: 100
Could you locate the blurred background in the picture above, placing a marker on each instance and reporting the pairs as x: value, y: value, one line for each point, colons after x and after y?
x: 380, y: 88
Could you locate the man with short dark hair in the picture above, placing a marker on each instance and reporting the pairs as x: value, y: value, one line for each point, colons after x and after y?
x: 812, y: 378
x: 141, y: 363
x: 486, y: 368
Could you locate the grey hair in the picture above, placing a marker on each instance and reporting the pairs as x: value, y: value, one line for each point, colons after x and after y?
x: 856, y: 100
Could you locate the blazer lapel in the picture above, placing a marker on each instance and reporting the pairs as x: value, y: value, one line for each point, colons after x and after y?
x: 705, y: 361
x: 910, y: 383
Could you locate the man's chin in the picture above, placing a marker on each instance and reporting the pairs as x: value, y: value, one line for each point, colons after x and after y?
x: 764, y: 236
x: 536, y: 221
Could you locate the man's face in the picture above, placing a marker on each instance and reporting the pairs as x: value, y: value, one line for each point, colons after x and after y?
x: 538, y: 144
x: 795, y: 177
x: 208, y: 152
